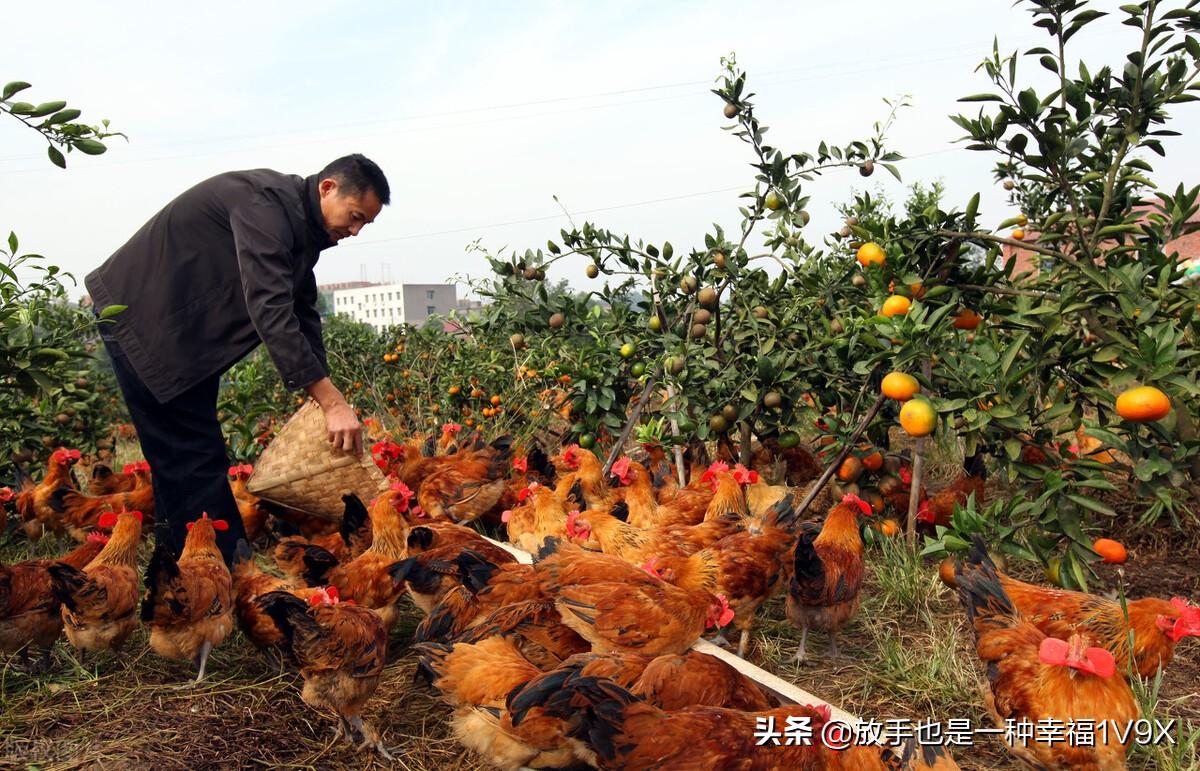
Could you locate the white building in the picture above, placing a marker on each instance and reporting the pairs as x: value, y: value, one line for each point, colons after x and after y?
x: 386, y: 305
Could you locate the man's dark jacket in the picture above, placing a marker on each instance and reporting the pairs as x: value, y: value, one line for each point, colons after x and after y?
x: 226, y: 265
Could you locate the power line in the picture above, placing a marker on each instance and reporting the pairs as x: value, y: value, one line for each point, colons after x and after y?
x: 548, y: 217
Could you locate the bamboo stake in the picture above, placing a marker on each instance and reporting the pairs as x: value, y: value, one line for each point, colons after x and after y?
x: 918, y: 472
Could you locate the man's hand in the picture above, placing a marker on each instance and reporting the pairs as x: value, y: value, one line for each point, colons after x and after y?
x: 345, y: 432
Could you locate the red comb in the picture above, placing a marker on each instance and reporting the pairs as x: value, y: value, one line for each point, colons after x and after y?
x: 745, y: 476
x: 451, y: 428
x: 108, y: 520
x: 520, y: 464
x: 130, y: 468
x: 505, y: 516
x: 850, y: 499
x: 97, y: 537
x: 525, y: 492
x: 906, y: 475
x: 1073, y: 654
x: 6, y: 494
x: 925, y: 513
x: 1188, y: 623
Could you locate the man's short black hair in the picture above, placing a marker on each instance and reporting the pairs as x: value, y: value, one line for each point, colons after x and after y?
x: 358, y: 174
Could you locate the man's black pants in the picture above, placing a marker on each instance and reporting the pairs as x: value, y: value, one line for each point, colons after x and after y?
x: 182, y: 441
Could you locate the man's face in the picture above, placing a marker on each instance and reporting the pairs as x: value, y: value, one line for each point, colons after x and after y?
x: 346, y: 213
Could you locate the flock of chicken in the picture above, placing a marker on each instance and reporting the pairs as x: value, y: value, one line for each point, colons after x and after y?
x: 586, y: 655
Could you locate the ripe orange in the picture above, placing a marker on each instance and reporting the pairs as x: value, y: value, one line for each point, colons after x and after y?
x: 917, y: 417
x: 874, y: 461
x: 871, y: 253
x: 967, y: 319
x: 1018, y: 234
x: 850, y: 470
x: 896, y: 305
x: 1144, y: 404
x: 495, y: 400
x: 1112, y: 551
x: 900, y: 386
x: 946, y: 573
x: 918, y: 290
x: 454, y: 390
x: 889, y: 527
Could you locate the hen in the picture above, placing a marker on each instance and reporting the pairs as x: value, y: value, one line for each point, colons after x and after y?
x: 250, y: 583
x: 82, y: 512
x: 341, y: 650
x: 626, y: 732
x: 1032, y: 677
x: 637, y: 490
x: 254, y: 514
x: 539, y: 514
x: 310, y: 559
x: 33, y: 500
x: 105, y: 481
x: 1157, y: 625
x: 189, y: 602
x: 745, y: 567
x: 468, y: 487
x: 29, y: 611
x: 618, y: 607
x: 827, y: 573
x: 430, y: 574
x: 99, y: 602
x: 581, y: 483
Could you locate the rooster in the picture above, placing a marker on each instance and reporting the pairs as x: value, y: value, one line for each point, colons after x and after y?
x: 1157, y: 625
x: 827, y: 573
x: 189, y: 601
x: 33, y: 501
x: 99, y: 602
x: 29, y: 611
x: 341, y: 649
x: 1035, y: 678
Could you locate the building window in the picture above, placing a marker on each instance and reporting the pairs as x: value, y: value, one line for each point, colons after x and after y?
x: 429, y: 295
x: 430, y: 310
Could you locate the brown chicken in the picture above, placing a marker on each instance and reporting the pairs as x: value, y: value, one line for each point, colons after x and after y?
x: 637, y: 490
x: 467, y: 488
x: 535, y: 626
x: 189, y: 602
x: 827, y: 574
x: 539, y: 514
x: 618, y: 607
x: 744, y: 567
x: 310, y: 559
x: 8, y: 505
x: 430, y: 574
x: 724, y: 516
x: 581, y: 483
x: 105, y: 481
x: 29, y: 611
x: 1032, y: 677
x: 475, y: 679
x: 718, y: 491
x: 341, y: 649
x: 99, y: 602
x: 254, y: 514
x: 938, y: 508
x: 625, y: 732
x: 486, y: 587
x: 250, y: 583
x: 663, y: 475
x: 80, y: 512
x: 33, y: 501
x: 1157, y: 625
x: 367, y: 579
x: 799, y: 465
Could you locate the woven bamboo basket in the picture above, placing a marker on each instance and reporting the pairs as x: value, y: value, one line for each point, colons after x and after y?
x: 302, y: 471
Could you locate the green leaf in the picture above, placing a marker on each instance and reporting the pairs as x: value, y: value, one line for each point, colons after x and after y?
x: 112, y: 310
x: 64, y: 116
x: 1092, y: 504
x: 13, y: 88
x: 47, y: 108
x: 981, y: 98
x: 89, y: 146
x: 56, y: 157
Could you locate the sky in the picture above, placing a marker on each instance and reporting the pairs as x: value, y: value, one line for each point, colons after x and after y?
x: 480, y: 113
